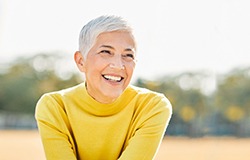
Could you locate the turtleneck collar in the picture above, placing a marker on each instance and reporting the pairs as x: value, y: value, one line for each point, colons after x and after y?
x: 101, y: 109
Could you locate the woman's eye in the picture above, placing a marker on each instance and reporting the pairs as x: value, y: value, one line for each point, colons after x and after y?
x: 129, y: 56
x: 105, y: 51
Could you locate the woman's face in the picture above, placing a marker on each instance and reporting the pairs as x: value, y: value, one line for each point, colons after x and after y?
x: 109, y: 65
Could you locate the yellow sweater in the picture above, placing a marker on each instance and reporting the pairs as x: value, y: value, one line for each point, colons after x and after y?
x: 73, y: 125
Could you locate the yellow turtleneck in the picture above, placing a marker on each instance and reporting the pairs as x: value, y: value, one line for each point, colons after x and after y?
x: 73, y: 125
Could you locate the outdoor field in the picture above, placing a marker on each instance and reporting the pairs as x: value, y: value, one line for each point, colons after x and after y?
x: 26, y: 145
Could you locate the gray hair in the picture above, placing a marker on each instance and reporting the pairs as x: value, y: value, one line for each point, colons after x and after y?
x: 95, y: 27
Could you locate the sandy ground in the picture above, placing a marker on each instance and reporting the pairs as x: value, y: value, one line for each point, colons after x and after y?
x: 209, y: 148
x: 20, y: 145
x: 26, y: 145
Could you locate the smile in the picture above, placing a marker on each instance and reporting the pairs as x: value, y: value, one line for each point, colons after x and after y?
x: 113, y: 78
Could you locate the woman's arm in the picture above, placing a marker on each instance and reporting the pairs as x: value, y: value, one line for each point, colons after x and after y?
x: 54, y: 129
x: 146, y: 140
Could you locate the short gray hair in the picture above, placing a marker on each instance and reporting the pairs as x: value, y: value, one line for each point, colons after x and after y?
x: 99, y: 25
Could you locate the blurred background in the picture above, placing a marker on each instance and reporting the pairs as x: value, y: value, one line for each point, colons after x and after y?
x: 198, y: 111
x: 196, y: 52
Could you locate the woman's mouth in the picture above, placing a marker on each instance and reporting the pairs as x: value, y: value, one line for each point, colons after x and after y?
x: 113, y: 78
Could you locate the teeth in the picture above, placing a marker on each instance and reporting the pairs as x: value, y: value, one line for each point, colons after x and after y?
x: 112, y: 78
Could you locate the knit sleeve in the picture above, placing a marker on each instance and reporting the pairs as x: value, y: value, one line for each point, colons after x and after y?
x: 54, y: 129
x: 153, y: 120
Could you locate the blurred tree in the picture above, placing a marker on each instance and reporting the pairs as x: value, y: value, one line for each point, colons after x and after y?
x: 188, y: 104
x: 234, y: 113
x: 23, y: 83
x: 233, y: 94
x: 188, y: 113
x: 232, y: 101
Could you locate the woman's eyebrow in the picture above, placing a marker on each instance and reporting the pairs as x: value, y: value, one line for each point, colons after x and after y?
x: 130, y: 49
x: 107, y: 46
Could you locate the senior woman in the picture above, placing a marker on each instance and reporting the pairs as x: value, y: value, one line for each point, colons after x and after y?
x: 104, y: 117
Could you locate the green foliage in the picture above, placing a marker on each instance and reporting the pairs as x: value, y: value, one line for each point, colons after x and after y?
x: 22, y: 85
x: 234, y: 94
x: 198, y: 113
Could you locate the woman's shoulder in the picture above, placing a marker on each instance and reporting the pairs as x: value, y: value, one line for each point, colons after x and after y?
x: 145, y: 95
x: 145, y: 92
x: 61, y: 94
x: 149, y: 99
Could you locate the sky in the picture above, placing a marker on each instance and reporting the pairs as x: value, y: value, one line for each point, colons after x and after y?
x: 173, y: 36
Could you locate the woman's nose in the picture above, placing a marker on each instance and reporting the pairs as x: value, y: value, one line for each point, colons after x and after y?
x: 117, y: 63
x: 120, y: 67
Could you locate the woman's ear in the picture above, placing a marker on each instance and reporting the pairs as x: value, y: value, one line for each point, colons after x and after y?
x: 79, y: 60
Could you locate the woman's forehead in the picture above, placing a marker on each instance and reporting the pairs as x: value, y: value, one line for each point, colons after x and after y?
x: 115, y: 37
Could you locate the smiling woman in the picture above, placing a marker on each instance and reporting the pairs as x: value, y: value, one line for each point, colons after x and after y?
x: 108, y: 66
x: 104, y: 117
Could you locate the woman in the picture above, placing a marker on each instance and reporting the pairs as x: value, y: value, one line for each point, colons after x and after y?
x: 104, y: 117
